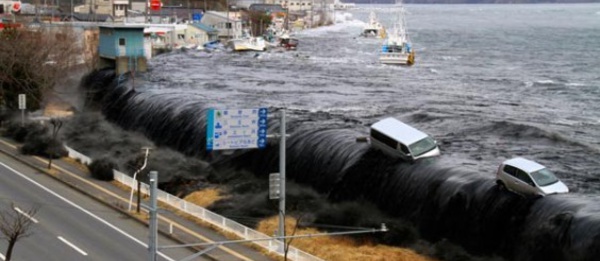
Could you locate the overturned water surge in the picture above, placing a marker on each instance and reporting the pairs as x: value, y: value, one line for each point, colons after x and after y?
x: 442, y: 199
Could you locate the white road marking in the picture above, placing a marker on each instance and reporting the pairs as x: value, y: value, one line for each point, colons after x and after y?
x: 84, y: 211
x: 72, y: 245
x: 2, y: 257
x: 26, y: 215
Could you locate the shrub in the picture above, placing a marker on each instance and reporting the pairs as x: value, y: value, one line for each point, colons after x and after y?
x: 44, y: 146
x: 102, y: 169
x: 19, y: 133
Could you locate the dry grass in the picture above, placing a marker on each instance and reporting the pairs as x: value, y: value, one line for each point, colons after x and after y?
x: 76, y: 163
x: 340, y: 247
x: 205, y: 197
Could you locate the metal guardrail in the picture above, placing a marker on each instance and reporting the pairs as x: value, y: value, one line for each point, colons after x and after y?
x: 207, y: 215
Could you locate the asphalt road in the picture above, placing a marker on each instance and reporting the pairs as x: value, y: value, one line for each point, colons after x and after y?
x: 69, y: 225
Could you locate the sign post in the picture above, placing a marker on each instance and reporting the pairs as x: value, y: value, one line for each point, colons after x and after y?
x: 282, y: 196
x: 22, y: 107
x: 274, y: 185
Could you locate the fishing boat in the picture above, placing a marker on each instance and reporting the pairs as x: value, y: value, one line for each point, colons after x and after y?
x: 397, y: 48
x: 288, y: 42
x: 373, y: 28
x: 247, y: 42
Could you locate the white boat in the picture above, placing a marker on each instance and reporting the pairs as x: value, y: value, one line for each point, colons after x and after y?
x: 373, y: 28
x: 397, y: 48
x: 247, y: 42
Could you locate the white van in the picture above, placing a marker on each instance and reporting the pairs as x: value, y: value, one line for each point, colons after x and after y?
x: 398, y: 139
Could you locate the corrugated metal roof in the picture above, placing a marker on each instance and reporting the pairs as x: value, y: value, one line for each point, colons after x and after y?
x: 204, y: 27
x: 123, y: 26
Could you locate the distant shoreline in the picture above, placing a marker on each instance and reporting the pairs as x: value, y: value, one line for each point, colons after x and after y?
x: 451, y: 2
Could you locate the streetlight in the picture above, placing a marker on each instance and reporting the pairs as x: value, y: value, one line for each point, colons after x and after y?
x: 147, y: 149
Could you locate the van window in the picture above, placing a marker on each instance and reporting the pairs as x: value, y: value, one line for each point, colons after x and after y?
x: 383, y: 138
x: 422, y: 146
x: 403, y: 148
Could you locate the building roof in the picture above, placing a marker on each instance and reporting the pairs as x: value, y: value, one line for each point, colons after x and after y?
x: 91, y: 17
x: 123, y: 26
x: 207, y: 28
x: 221, y: 15
x: 266, y: 7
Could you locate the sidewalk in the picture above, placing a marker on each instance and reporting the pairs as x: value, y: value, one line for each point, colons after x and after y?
x: 180, y: 229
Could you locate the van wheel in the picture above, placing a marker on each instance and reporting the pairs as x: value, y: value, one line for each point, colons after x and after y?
x: 500, y: 185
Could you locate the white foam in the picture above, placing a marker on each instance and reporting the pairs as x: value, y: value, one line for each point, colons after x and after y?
x: 545, y: 81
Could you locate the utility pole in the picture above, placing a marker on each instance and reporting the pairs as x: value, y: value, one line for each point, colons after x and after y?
x: 228, y: 25
x: 282, y: 180
x: 152, y: 245
x: 312, y: 11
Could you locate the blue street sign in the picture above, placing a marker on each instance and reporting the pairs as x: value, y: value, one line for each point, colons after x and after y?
x: 236, y: 129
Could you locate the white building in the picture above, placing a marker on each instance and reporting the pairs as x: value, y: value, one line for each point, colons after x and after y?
x: 228, y: 27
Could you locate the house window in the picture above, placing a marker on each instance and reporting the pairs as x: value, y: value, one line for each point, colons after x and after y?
x: 121, y: 41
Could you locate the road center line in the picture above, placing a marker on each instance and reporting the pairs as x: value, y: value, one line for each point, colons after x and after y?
x: 26, y: 215
x: 83, y: 210
x: 72, y: 245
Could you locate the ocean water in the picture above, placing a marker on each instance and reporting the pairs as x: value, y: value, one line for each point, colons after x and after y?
x: 490, y: 82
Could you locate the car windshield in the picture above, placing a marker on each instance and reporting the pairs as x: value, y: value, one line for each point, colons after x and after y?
x: 544, y: 177
x: 422, y: 146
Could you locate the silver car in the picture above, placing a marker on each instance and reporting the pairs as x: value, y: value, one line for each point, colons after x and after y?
x: 528, y: 178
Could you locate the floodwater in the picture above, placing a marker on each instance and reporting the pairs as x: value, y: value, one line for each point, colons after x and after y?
x: 490, y: 82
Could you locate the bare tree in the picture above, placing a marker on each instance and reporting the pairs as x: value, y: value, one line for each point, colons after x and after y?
x: 14, y: 225
x: 54, y: 145
x: 32, y: 61
x: 288, y: 242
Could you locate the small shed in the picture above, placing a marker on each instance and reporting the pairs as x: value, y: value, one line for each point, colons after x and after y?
x: 200, y: 34
x: 122, y: 47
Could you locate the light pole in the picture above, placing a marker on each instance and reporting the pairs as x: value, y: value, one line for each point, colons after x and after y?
x: 147, y: 149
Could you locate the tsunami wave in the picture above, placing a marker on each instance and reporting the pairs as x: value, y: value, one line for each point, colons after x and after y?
x: 442, y: 198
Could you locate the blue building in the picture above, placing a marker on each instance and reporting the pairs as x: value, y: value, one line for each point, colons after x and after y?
x: 122, y: 47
